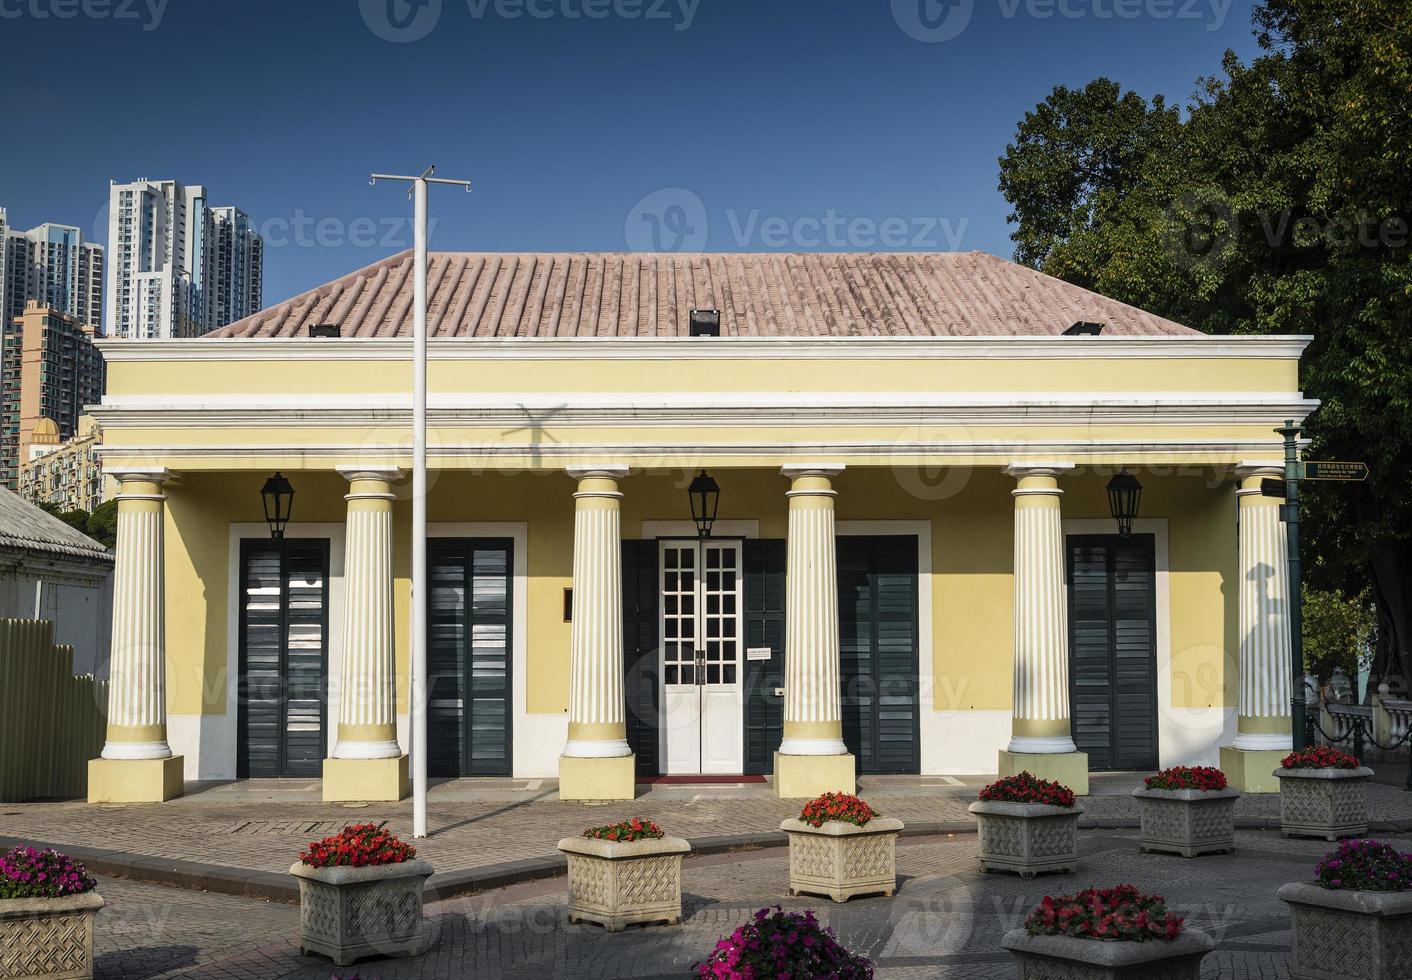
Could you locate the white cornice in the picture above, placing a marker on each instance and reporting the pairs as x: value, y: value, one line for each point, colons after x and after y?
x: 744, y: 409
x: 714, y: 348
x: 553, y: 456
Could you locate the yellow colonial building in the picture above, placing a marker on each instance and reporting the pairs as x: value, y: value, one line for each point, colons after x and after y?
x: 914, y: 566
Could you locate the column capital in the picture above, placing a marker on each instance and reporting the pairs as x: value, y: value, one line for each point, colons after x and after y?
x: 1024, y: 468
x: 597, y: 471
x: 363, y: 471
x: 139, y: 474
x: 1260, y: 467
x: 796, y: 470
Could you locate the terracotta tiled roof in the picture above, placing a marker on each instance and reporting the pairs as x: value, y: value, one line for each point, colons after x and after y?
x: 605, y: 294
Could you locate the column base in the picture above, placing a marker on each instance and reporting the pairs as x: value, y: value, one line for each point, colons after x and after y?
x: 807, y: 776
x: 135, y: 780
x: 1252, y: 770
x: 1069, y: 768
x: 610, y: 778
x: 366, y: 780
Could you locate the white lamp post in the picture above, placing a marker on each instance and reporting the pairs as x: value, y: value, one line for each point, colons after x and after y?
x: 419, y: 488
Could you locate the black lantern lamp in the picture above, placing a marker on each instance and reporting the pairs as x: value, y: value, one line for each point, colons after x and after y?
x: 279, y: 501
x: 705, y: 497
x: 1124, y: 493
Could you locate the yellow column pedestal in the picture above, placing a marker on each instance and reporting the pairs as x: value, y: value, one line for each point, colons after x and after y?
x: 134, y: 780
x: 1069, y: 768
x: 1252, y: 770
x: 613, y: 778
x: 366, y: 780
x: 808, y: 776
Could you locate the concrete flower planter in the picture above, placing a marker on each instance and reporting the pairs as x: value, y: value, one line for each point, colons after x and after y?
x: 840, y: 860
x: 1027, y: 838
x: 1188, y: 821
x: 1067, y: 958
x: 48, y: 938
x: 618, y: 884
x: 348, y: 913
x: 1349, y: 935
x: 1327, y: 803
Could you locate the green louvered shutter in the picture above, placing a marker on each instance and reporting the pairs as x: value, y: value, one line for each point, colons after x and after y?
x: 764, y: 627
x: 1113, y: 650
x: 641, y: 656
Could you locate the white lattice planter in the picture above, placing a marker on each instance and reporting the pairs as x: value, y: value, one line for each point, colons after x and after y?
x: 1327, y: 803
x: 1067, y: 958
x: 348, y: 913
x: 1027, y: 838
x: 840, y: 860
x: 618, y: 884
x: 48, y: 938
x: 1188, y: 821
x: 1349, y: 935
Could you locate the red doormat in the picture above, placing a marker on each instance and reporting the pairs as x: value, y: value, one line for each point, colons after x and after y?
x: 697, y: 780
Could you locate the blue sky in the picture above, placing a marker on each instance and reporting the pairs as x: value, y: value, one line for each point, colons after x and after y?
x: 584, y: 124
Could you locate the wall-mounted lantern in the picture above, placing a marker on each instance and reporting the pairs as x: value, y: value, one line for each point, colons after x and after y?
x: 279, y: 503
x: 705, y: 498
x: 1124, y: 495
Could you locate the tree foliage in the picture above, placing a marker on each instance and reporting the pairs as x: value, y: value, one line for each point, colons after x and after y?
x: 1280, y: 203
x: 1338, y: 632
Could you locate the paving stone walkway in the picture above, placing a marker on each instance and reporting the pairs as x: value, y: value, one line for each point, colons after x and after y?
x: 262, y: 826
x: 946, y: 920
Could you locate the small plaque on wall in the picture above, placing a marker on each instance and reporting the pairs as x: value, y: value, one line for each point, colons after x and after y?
x: 758, y: 653
x: 568, y: 605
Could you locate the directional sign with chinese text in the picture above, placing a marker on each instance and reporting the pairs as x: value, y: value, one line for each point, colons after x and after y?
x: 1335, y: 471
x: 1274, y: 488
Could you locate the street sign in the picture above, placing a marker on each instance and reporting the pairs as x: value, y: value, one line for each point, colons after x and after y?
x: 1274, y: 488
x: 1335, y: 471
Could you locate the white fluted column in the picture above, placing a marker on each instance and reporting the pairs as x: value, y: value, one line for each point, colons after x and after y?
x: 1263, y: 722
x: 597, y: 762
x: 1040, y: 740
x: 137, y: 702
x: 137, y: 764
x: 812, y: 758
x: 367, y: 718
x: 367, y: 762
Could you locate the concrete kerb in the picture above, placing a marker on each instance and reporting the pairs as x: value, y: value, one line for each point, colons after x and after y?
x: 280, y: 887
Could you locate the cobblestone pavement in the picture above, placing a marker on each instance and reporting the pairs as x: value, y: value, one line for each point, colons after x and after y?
x: 262, y: 826
x: 946, y: 920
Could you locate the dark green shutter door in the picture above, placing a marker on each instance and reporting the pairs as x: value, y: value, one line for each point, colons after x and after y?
x: 283, y: 658
x: 641, y: 658
x: 1113, y: 650
x: 764, y: 627
x: 469, y: 641
x: 878, y: 647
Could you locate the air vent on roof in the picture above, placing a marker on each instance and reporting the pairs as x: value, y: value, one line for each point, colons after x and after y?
x: 1084, y: 329
x: 705, y: 323
x: 323, y: 330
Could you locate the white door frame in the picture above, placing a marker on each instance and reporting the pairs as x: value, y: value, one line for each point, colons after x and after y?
x: 718, y: 707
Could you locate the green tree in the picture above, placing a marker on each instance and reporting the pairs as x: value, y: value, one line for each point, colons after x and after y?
x: 1281, y: 204
x: 102, y: 524
x: 1338, y: 632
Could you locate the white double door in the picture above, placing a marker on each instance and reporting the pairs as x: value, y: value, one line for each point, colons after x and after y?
x: 702, y: 625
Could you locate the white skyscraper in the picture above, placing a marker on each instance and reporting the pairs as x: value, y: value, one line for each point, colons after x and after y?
x: 53, y: 266
x: 178, y: 268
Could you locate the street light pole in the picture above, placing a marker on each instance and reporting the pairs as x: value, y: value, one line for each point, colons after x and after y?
x: 418, y: 679
x: 1290, y: 515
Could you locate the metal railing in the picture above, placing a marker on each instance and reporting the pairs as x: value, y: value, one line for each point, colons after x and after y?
x: 1386, y: 724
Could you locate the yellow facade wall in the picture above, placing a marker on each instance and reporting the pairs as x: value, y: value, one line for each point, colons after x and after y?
x: 970, y: 511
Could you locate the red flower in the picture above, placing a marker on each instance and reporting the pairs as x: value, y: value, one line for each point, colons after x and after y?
x: 358, y: 845
x: 638, y: 828
x: 1028, y: 788
x: 843, y: 807
x: 1319, y: 757
x: 1120, y: 913
x: 1205, y: 778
